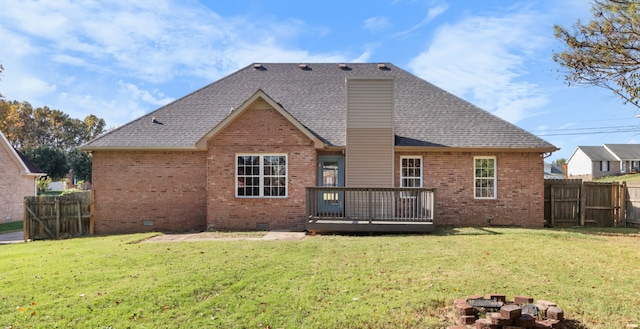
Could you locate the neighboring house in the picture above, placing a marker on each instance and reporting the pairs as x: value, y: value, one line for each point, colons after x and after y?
x: 18, y: 178
x: 245, y: 152
x: 588, y: 162
x: 552, y: 171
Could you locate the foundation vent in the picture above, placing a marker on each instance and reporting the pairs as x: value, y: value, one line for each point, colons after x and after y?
x: 262, y: 226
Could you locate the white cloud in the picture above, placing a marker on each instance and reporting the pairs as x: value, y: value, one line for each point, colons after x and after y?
x: 432, y: 13
x: 375, y: 24
x: 154, y: 97
x: 483, y: 58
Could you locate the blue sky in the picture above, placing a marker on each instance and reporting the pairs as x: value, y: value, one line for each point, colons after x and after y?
x: 121, y: 59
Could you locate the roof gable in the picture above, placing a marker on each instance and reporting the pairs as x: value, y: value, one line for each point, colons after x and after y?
x: 314, y: 97
x: 234, y: 113
x: 26, y: 166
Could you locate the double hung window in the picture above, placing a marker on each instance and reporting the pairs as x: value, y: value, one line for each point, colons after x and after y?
x: 411, y: 171
x: 261, y: 176
x: 485, y: 177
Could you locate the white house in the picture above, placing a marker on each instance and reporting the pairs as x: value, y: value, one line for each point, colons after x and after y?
x: 589, y: 162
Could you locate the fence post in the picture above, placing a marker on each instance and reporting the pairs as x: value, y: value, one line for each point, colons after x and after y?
x: 79, y: 217
x: 57, y: 218
x: 583, y: 203
x: 25, y: 221
x: 92, y: 212
x: 552, y: 205
x: 622, y: 213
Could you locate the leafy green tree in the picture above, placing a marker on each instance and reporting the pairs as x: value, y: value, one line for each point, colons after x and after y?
x: 559, y: 162
x: 605, y: 52
x: 80, y: 164
x: 51, y: 160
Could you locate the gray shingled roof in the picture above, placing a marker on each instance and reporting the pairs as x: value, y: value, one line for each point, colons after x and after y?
x: 425, y: 115
x: 597, y: 153
x: 625, y: 151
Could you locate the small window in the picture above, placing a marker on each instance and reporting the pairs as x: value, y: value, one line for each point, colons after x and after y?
x: 485, y: 177
x: 259, y: 176
x: 411, y: 172
x: 604, y: 165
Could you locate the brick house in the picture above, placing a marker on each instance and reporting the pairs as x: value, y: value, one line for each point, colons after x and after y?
x: 18, y: 178
x: 246, y: 152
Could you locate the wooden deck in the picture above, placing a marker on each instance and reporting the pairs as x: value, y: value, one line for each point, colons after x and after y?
x: 344, y: 209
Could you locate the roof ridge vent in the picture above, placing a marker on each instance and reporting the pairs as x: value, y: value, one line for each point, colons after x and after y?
x: 383, y: 66
x: 304, y: 67
x: 343, y: 66
x: 259, y: 67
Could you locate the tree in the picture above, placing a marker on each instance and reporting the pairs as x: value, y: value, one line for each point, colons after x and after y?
x: 606, y: 51
x: 559, y: 162
x: 80, y: 163
x: 51, y: 160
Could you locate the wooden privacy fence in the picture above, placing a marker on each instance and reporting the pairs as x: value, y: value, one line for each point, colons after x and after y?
x: 577, y: 203
x: 55, y: 217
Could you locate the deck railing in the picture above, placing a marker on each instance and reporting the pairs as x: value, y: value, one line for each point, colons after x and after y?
x: 371, y: 204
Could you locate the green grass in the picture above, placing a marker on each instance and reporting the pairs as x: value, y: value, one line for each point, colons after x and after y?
x: 631, y: 178
x: 329, y: 281
x: 11, y: 227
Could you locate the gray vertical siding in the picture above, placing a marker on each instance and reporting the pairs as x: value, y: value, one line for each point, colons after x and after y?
x: 370, y: 136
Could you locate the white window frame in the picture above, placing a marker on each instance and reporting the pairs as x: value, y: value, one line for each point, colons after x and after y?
x: 403, y: 177
x: 261, y: 176
x: 493, y: 178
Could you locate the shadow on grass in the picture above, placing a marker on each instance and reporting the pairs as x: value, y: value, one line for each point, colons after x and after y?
x: 573, y: 324
x: 465, y: 231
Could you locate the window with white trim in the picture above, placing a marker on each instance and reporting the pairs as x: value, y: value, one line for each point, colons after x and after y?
x: 410, y: 171
x: 604, y: 165
x: 484, y: 177
x: 261, y: 176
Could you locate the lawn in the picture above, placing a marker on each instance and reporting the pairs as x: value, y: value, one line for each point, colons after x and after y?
x: 396, y: 281
x: 631, y: 178
x: 11, y: 227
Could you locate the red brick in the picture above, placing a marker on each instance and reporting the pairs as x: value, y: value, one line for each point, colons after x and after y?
x: 459, y: 301
x: 485, y: 324
x: 510, y: 311
x: 525, y: 320
x: 520, y: 198
x: 497, y: 318
x: 498, y: 297
x: 466, y: 319
x: 555, y: 313
x: 465, y: 309
x: 521, y: 300
x: 546, y: 303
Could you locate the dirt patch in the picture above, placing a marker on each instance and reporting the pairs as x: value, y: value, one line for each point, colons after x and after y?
x: 229, y: 236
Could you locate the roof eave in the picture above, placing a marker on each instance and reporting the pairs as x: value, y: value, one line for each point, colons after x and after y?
x: 139, y: 148
x: 475, y: 149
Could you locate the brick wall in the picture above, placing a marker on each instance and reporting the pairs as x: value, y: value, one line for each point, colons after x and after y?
x: 520, y: 189
x: 164, y: 189
x: 15, y: 187
x: 259, y: 130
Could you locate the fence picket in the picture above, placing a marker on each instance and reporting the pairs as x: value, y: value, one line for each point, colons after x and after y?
x: 59, y: 216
